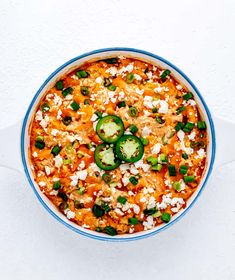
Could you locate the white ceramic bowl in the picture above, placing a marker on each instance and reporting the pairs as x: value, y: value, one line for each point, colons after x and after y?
x: 9, y: 137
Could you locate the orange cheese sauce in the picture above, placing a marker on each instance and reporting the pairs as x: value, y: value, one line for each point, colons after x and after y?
x: 66, y: 118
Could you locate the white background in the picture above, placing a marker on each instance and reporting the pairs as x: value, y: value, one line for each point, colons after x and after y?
x: 38, y: 36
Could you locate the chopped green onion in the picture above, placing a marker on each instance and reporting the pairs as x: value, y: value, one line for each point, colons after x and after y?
x: 145, y: 141
x: 82, y: 74
x: 86, y: 102
x: 45, y: 107
x: 106, y: 208
x: 149, y: 212
x: 121, y: 104
x: 81, y: 190
x: 163, y: 158
x: 63, y: 195
x: 171, y: 170
x: 84, y: 91
x: 40, y: 138
x: 107, y: 178
x: 107, y: 82
x: 130, y: 78
x: 67, y: 161
x: 201, y: 125
x: 112, y: 87
x: 133, y: 111
x: 165, y: 74
x: 89, y: 146
x: 80, y: 155
x: 40, y: 144
x: 98, y: 211
x: 154, y: 110
x: 188, y: 127
x: 133, y: 128
x: 189, y: 179
x: 55, y: 150
x: 98, y: 114
x: 78, y: 204
x: 133, y: 221
x: 67, y: 91
x: 184, y: 156
x: 180, y: 110
x: 177, y: 186
x: 98, y: 229
x: 201, y: 135
x: 59, y: 85
x: 111, y: 60
x: 166, y: 217
x: 188, y: 96
x: 75, y: 106
x: 160, y: 120
x: 110, y: 230
x: 122, y: 199
x: 152, y: 160
x: 133, y: 180
x: 57, y: 185
x: 67, y: 120
x: 179, y: 126
x: 157, y: 167
x: 183, y: 169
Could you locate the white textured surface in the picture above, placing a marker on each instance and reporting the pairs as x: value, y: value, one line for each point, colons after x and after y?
x: 37, y: 37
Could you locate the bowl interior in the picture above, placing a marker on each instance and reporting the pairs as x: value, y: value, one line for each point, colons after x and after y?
x: 93, y: 56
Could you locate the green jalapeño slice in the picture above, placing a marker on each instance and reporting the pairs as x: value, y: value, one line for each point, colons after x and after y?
x: 129, y: 148
x: 110, y: 128
x: 105, y: 157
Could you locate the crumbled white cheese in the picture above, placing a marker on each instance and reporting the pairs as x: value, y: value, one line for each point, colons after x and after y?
x: 119, y: 212
x: 201, y: 153
x: 136, y: 208
x: 39, y: 116
x: 156, y: 148
x: 82, y: 174
x: 70, y: 214
x: 58, y: 161
x: 54, y: 192
x: 57, y: 100
x: 163, y: 107
x: 94, y: 117
x: 139, y: 91
x: 42, y: 184
x: 99, y: 80
x: 149, y: 223
x: 148, y: 102
x: 94, y: 125
x: 137, y: 77
x: 146, y: 131
x: 112, y: 71
x: 149, y: 75
x: 54, y: 132
x: 59, y: 113
x: 35, y: 154
x: 179, y: 87
x: 125, y: 181
x: 47, y: 170
x: 192, y: 135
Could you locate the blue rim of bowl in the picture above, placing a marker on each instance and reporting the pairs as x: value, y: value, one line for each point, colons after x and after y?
x: 129, y: 238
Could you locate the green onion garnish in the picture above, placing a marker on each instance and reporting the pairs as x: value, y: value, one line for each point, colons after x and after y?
x: 189, y: 179
x: 59, y: 85
x: 82, y: 74
x: 112, y: 87
x: 84, y: 91
x: 165, y: 74
x: 188, y: 127
x: 163, y: 158
x: 154, y: 110
x: 98, y: 114
x: 57, y: 185
x: 152, y: 160
x: 157, y: 167
x: 133, y: 180
x: 184, y: 156
x: 133, y: 221
x: 166, y: 217
x: 145, y: 141
x: 55, y: 150
x: 201, y: 125
x: 111, y: 60
x: 133, y: 128
x: 188, y: 96
x: 122, y: 199
x: 45, y: 107
x: 149, y: 212
x: 160, y: 120
x: 179, y: 126
x: 86, y: 102
x: 121, y: 104
x: 180, y: 110
x: 67, y: 91
x: 110, y: 230
x: 130, y: 78
x: 171, y: 170
x: 183, y: 169
x: 75, y: 106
